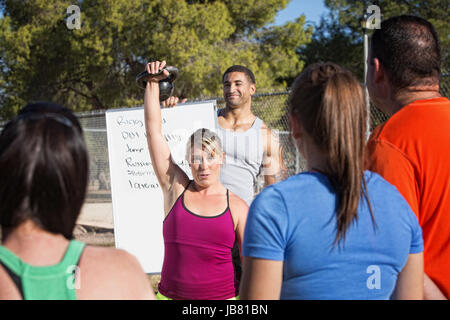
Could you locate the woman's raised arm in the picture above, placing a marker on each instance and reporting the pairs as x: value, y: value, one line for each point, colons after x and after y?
x: 167, y: 172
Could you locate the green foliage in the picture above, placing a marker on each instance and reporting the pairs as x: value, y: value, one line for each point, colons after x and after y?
x: 94, y: 67
x: 332, y: 42
x: 339, y: 36
x: 249, y: 15
x: 435, y: 11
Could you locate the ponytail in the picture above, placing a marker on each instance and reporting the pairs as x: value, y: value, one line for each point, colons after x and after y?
x: 329, y: 102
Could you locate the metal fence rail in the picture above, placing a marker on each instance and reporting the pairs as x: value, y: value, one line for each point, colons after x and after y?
x: 270, y: 107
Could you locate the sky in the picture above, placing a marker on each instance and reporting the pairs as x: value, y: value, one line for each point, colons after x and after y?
x: 312, y: 9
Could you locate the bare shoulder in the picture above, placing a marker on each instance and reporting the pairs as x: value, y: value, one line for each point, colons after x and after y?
x: 114, y: 258
x: 112, y: 261
x: 238, y: 205
x: 221, y: 117
x: 8, y: 290
x: 109, y: 273
x: 239, y: 212
x: 269, y: 135
x: 264, y: 126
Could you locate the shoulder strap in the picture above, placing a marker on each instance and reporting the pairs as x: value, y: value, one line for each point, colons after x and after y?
x: 11, y: 261
x: 258, y: 123
x: 73, y: 254
x: 13, y: 267
x: 31, y: 277
x: 15, y: 278
x: 181, y: 196
x: 189, y: 183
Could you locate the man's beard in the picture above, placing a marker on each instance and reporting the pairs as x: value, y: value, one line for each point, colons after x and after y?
x: 234, y: 102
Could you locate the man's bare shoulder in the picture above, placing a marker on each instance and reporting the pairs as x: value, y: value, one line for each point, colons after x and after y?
x: 270, y: 140
x: 264, y: 126
x: 269, y: 133
x: 222, y: 120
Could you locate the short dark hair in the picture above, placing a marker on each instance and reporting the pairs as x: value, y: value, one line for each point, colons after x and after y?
x: 239, y: 68
x: 408, y: 48
x: 43, y: 169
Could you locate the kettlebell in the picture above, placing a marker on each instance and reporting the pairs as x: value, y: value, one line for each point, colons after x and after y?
x: 165, y: 85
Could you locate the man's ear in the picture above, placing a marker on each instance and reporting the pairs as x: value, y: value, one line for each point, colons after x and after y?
x: 296, y: 130
x: 378, y: 70
x: 252, y: 88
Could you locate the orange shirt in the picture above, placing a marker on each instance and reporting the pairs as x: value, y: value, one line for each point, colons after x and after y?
x: 412, y: 151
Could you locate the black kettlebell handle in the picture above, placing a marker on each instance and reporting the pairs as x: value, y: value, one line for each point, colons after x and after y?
x: 144, y: 76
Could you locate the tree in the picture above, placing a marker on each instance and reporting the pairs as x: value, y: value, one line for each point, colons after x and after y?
x: 339, y: 36
x: 94, y: 67
x: 332, y: 42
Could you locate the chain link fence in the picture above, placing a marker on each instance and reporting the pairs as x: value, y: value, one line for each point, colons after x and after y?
x: 377, y: 116
x: 270, y: 107
x: 445, y: 84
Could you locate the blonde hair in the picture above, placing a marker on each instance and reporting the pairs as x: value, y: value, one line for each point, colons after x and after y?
x: 206, y: 139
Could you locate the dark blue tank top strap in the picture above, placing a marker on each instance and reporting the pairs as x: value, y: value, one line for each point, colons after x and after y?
x: 180, y: 197
x: 15, y: 278
x: 235, y: 253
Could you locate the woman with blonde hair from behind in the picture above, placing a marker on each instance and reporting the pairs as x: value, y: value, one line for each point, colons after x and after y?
x: 335, y: 231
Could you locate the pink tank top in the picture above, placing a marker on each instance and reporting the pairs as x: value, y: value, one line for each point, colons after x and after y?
x: 197, y: 255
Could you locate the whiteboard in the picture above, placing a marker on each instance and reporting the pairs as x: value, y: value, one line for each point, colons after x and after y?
x: 137, y: 200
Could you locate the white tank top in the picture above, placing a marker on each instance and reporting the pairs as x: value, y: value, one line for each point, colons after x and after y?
x: 244, y: 156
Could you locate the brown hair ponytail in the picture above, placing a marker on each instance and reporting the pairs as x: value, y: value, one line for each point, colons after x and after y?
x: 329, y: 103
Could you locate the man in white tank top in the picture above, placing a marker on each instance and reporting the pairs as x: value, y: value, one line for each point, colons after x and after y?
x: 251, y: 147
